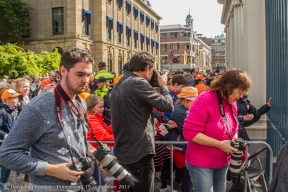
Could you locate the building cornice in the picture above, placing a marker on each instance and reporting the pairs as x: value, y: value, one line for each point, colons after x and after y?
x: 149, y: 8
x: 228, y: 9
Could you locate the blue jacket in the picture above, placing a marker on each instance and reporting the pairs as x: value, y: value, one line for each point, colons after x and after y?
x: 191, y: 81
x: 175, y: 98
x: 6, y: 126
x: 178, y: 116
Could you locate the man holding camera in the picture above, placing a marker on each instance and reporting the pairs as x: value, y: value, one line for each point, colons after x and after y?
x: 56, y: 137
x: 132, y: 101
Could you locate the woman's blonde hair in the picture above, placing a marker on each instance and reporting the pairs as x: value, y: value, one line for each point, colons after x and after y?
x: 91, y: 101
x: 18, y: 83
x: 230, y: 80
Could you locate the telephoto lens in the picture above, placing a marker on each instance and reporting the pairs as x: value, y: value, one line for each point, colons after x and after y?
x: 87, y: 178
x: 108, y: 162
x: 234, y: 172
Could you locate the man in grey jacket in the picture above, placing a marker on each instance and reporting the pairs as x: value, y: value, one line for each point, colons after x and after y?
x: 132, y: 101
x: 38, y: 128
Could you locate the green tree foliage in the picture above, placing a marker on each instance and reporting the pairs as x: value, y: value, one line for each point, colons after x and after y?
x: 16, y: 61
x: 14, y: 20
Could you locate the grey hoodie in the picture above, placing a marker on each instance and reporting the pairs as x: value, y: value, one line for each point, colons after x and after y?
x: 38, y: 127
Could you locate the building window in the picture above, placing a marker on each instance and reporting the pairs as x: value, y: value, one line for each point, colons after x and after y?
x: 163, y: 47
x: 119, y: 4
x: 174, y: 46
x: 128, y: 35
x: 119, y: 31
x: 86, y: 21
x: 142, y: 41
x: 59, y: 50
x: 174, y: 34
x: 120, y: 63
x: 184, y: 34
x: 193, y: 47
x: 152, y: 24
x: 147, y: 21
x: 152, y: 45
x: 128, y: 7
x: 109, y: 27
x: 163, y: 59
x: 147, y: 43
x: 141, y: 17
x: 157, y: 47
x: 193, y: 60
x: 156, y: 27
x: 215, y: 41
x: 163, y: 35
x: 109, y: 61
x: 176, y: 59
x: 135, y: 12
x: 223, y: 48
x: 188, y: 59
x: 58, y: 20
x: 187, y: 46
x: 223, y: 40
x: 135, y: 39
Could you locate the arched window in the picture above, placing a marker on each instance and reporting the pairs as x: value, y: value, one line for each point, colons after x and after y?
x: 59, y: 49
x: 109, y: 61
x: 120, y: 64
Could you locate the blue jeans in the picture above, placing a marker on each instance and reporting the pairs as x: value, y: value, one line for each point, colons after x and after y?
x: 208, y: 179
x: 5, y: 174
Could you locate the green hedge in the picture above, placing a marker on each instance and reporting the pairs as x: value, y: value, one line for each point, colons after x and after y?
x: 16, y: 61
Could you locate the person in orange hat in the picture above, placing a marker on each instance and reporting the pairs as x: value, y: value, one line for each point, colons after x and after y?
x: 7, y: 118
x: 185, y: 98
x: 200, y: 84
x: 84, y: 95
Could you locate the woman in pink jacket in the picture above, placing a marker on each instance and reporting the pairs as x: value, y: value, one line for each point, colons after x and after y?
x: 209, y: 137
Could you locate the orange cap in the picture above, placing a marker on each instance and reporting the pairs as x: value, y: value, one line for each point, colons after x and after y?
x: 84, y: 95
x: 9, y: 93
x: 115, y: 81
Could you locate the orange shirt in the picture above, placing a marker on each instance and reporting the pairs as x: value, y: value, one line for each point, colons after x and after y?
x: 202, y: 87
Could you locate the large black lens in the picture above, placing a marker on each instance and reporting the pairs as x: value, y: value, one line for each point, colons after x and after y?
x: 88, y: 180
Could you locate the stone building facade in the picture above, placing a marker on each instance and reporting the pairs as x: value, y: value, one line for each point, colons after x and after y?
x: 111, y: 30
x: 183, y: 42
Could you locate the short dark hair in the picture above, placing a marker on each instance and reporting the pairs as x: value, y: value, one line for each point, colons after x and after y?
x: 179, y: 79
x: 72, y: 56
x: 232, y: 79
x: 193, y: 70
x: 140, y: 60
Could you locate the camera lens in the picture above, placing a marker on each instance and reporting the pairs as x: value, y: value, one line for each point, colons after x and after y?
x: 88, y: 180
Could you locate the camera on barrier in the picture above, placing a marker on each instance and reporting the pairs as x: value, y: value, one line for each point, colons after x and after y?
x: 108, y: 162
x: 87, y: 178
x: 234, y: 172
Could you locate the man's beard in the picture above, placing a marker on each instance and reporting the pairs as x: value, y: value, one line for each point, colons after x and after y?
x: 75, y: 91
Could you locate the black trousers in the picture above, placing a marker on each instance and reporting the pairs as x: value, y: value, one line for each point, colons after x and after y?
x: 144, y: 171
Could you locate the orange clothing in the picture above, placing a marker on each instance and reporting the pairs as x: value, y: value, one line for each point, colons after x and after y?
x: 202, y: 87
x: 100, y: 129
x: 47, y: 82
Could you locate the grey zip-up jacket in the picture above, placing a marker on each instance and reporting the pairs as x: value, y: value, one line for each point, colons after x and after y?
x: 38, y: 127
x: 132, y: 101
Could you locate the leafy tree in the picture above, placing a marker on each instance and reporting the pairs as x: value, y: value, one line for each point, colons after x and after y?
x: 16, y: 61
x: 14, y: 20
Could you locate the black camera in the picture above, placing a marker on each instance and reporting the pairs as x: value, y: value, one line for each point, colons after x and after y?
x: 234, y: 172
x: 154, y: 79
x: 84, y: 164
x: 108, y: 162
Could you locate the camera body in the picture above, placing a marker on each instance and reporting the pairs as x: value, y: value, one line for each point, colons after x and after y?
x: 234, y: 172
x: 154, y: 79
x: 87, y: 179
x: 108, y: 162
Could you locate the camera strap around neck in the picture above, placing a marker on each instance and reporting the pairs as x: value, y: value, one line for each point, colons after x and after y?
x: 60, y: 94
x: 223, y: 114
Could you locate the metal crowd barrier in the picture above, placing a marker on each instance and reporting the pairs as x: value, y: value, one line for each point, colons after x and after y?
x: 170, y: 144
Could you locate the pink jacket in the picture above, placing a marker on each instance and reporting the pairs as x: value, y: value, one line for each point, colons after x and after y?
x: 204, y: 117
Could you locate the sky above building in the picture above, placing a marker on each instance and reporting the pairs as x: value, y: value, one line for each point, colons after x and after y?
x: 206, y: 14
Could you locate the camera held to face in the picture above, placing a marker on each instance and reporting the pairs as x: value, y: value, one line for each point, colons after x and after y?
x: 108, y: 162
x: 87, y: 178
x: 154, y: 79
x: 234, y: 172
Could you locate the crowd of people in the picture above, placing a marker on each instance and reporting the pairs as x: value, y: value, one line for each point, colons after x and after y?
x: 131, y: 111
